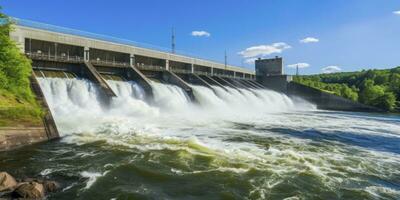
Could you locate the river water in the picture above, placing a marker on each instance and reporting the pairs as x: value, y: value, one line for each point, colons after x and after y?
x: 232, y: 144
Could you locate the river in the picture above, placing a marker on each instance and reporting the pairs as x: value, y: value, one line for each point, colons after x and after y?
x: 232, y: 144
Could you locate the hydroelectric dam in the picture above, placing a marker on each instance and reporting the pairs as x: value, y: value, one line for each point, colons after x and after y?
x: 80, y: 76
x: 142, y: 123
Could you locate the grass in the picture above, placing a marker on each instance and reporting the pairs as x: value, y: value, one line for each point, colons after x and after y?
x: 15, y: 111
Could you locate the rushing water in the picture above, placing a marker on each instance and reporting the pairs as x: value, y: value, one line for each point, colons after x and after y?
x: 232, y: 144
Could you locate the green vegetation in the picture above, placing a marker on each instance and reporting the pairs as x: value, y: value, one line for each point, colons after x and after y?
x: 17, y: 102
x: 379, y: 88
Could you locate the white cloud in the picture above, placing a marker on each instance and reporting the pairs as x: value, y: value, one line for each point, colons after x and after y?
x: 331, y: 69
x: 263, y: 50
x: 201, y: 34
x: 396, y: 12
x: 309, y: 40
x: 250, y: 60
x: 300, y: 65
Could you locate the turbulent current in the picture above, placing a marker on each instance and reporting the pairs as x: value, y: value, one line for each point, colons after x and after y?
x: 230, y: 144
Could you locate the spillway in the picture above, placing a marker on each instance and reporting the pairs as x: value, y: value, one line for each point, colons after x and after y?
x: 79, y: 99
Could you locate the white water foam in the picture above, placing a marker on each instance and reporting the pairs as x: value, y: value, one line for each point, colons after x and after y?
x: 173, y: 122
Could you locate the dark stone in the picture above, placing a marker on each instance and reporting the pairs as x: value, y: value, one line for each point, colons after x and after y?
x: 51, y: 186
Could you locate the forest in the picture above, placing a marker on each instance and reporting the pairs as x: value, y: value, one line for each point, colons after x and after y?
x: 374, y: 87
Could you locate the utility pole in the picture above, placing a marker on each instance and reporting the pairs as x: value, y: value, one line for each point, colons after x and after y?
x: 226, y: 60
x: 173, y: 41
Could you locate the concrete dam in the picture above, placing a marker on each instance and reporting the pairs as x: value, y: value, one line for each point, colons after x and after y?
x: 80, y: 72
x: 80, y: 76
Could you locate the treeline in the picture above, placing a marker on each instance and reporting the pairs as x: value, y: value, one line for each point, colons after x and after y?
x: 379, y: 88
x: 17, y: 102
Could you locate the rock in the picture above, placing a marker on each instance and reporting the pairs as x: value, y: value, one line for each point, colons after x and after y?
x: 51, y: 186
x: 30, y: 190
x: 7, y: 182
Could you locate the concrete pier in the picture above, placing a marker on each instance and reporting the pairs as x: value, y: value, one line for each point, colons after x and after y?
x: 96, y: 77
x: 223, y: 82
x: 211, y: 81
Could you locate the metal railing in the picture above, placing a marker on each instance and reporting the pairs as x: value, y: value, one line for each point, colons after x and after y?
x: 203, y: 73
x: 44, y: 56
x: 183, y: 71
x: 110, y: 63
x: 223, y: 75
x: 150, y: 67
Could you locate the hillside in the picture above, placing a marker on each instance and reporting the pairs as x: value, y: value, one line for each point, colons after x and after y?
x: 17, y: 102
x: 379, y: 88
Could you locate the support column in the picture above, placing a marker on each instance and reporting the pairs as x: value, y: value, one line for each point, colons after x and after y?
x: 192, y: 69
x: 167, y: 65
x: 234, y: 74
x: 244, y: 75
x: 212, y: 71
x: 21, y: 44
x: 86, y: 56
x: 132, y: 60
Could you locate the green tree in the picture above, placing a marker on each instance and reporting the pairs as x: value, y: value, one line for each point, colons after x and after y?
x: 17, y: 102
x: 371, y: 92
x: 386, y: 101
x: 15, y: 68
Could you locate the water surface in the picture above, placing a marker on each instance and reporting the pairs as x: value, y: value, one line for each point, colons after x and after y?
x: 232, y: 145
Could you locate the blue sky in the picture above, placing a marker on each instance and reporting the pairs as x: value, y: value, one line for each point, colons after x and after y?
x: 344, y: 35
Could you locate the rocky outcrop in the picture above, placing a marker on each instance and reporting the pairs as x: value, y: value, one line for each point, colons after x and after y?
x: 30, y: 190
x: 26, y: 189
x: 7, y: 182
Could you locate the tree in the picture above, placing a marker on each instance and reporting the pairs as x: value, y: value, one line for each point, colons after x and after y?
x: 386, y: 101
x: 15, y: 68
x: 372, y: 87
x: 371, y: 92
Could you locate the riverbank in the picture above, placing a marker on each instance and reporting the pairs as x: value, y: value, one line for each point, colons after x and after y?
x: 24, y: 115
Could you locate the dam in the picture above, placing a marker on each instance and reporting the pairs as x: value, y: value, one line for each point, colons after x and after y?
x: 139, y: 123
x: 97, y: 71
x: 73, y: 68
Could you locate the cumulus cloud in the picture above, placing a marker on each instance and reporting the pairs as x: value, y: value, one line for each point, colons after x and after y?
x: 300, y: 65
x: 331, y: 69
x: 309, y: 40
x: 396, y: 12
x: 253, y: 52
x: 250, y: 60
x: 201, y: 34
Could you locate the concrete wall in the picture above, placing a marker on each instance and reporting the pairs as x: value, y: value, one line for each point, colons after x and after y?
x: 21, y: 33
x: 269, y: 67
x: 325, y: 100
x: 278, y: 83
x: 14, y: 137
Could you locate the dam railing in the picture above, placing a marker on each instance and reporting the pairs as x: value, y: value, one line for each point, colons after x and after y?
x: 182, y: 71
x: 110, y: 63
x: 47, y: 57
x: 150, y: 67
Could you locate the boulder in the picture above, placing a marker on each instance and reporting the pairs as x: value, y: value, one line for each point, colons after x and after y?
x: 51, y: 186
x: 30, y: 190
x: 7, y: 182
